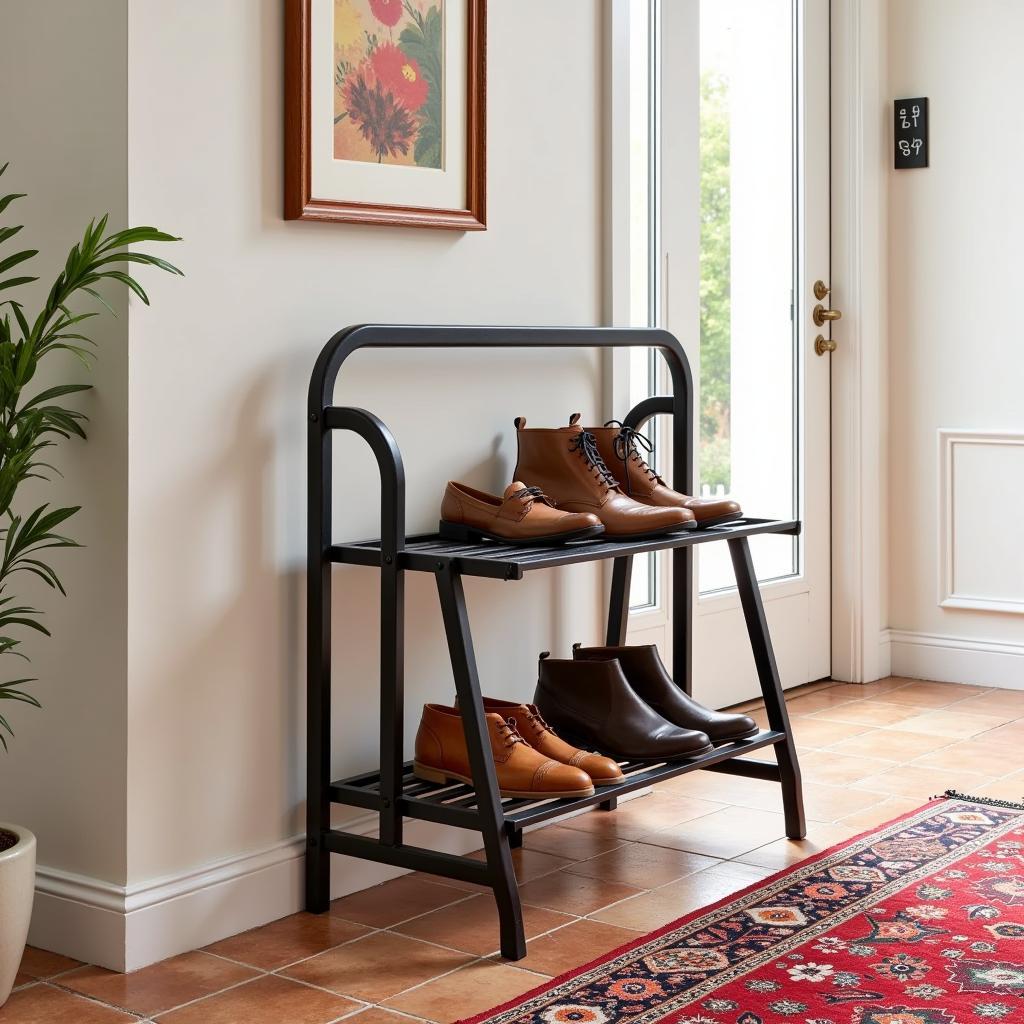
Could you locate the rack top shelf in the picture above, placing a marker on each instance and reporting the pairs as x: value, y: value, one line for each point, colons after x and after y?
x: 430, y: 552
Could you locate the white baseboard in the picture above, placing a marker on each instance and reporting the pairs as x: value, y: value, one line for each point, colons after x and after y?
x: 127, y: 927
x: 951, y: 659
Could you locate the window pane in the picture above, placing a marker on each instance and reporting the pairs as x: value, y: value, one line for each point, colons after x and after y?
x: 748, y: 367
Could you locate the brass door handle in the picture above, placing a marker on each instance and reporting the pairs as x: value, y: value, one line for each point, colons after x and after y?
x: 821, y: 315
x: 821, y: 345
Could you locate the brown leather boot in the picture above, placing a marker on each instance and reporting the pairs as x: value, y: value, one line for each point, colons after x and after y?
x: 532, y: 727
x: 441, y: 755
x: 523, y: 515
x: 565, y: 462
x: 592, y: 703
x: 620, y: 448
x: 649, y: 678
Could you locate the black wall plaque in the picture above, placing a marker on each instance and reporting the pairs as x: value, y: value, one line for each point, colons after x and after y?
x: 910, y: 133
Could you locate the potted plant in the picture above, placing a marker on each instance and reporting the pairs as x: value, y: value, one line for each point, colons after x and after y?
x: 32, y: 419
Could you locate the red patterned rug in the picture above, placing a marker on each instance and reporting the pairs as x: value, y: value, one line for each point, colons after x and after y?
x: 918, y: 922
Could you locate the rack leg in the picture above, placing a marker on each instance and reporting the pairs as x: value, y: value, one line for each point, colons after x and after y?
x: 610, y: 804
x: 492, y: 821
x: 771, y: 686
x: 318, y: 678
x: 618, y: 604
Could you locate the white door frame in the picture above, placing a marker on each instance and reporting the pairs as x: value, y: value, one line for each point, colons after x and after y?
x: 860, y: 365
x: 860, y: 401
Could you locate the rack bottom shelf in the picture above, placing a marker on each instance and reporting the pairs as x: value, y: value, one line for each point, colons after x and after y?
x: 456, y: 803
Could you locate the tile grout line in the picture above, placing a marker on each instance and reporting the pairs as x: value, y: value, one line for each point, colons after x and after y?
x: 94, y: 999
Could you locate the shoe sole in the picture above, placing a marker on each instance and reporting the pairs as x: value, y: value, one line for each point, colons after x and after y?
x: 734, y: 739
x: 578, y: 741
x: 651, y: 534
x: 433, y: 775
x: 458, y: 531
x: 730, y: 517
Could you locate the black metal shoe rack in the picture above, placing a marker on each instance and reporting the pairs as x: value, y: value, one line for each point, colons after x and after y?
x: 393, y: 791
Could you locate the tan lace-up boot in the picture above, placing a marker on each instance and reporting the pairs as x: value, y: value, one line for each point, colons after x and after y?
x: 620, y: 448
x: 566, y: 463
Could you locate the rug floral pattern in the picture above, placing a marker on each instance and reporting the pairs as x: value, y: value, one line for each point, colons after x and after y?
x: 920, y: 922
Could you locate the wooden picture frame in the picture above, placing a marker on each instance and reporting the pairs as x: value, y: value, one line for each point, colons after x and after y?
x: 301, y: 201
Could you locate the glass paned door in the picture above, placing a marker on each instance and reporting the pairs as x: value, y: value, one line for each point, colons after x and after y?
x: 742, y: 147
x: 748, y: 257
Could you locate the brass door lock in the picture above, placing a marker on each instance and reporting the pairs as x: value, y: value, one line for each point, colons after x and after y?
x: 823, y: 345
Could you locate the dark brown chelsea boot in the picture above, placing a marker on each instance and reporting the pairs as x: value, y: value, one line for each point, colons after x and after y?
x: 619, y: 447
x: 592, y: 704
x: 565, y: 463
x: 649, y: 678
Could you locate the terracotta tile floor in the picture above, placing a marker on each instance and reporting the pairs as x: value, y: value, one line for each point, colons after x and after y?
x: 422, y: 949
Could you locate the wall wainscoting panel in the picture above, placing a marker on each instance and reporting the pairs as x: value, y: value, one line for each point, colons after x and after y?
x: 980, y: 558
x: 951, y: 659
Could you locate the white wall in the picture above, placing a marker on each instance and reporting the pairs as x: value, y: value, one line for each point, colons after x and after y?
x: 165, y: 777
x: 217, y: 398
x: 63, y: 71
x: 956, y: 363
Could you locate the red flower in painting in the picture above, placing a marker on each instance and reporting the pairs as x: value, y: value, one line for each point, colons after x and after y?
x: 387, y: 11
x: 401, y: 75
x: 384, y: 122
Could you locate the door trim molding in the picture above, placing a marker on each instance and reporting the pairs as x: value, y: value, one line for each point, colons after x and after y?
x: 860, y: 366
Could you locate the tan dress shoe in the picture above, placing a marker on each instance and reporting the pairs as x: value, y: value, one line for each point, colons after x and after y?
x: 565, y: 462
x: 532, y: 727
x: 523, y: 515
x: 441, y: 755
x: 619, y: 447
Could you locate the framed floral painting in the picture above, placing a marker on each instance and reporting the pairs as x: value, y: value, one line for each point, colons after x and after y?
x: 385, y: 112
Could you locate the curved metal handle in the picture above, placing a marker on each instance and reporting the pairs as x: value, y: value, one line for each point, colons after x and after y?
x: 821, y: 315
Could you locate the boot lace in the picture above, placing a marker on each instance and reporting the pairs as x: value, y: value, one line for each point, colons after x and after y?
x: 537, y: 719
x: 626, y: 444
x: 586, y: 444
x: 509, y: 732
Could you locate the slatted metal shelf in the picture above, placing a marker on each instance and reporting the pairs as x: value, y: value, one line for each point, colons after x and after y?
x: 456, y: 803
x: 431, y: 552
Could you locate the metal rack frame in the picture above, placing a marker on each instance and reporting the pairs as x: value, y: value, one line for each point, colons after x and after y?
x: 392, y: 791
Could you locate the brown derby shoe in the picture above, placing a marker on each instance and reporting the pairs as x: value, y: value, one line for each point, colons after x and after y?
x: 565, y: 462
x: 523, y: 515
x: 441, y: 755
x: 593, y: 703
x: 532, y: 727
x: 619, y: 449
x: 650, y: 679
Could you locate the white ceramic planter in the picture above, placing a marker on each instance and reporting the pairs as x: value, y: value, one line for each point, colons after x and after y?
x: 17, y: 887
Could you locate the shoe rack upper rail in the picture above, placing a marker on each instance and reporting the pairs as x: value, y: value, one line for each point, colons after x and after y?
x: 323, y: 417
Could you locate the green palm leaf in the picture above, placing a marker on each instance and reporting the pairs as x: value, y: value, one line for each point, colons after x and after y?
x: 32, y: 422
